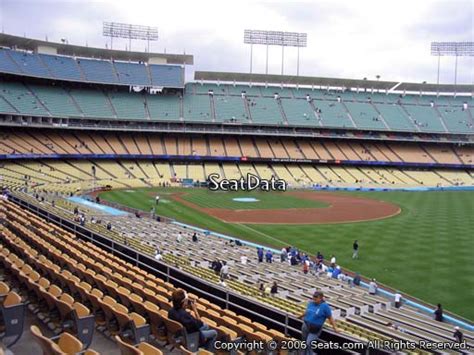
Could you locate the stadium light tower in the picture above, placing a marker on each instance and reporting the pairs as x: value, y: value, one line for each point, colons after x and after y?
x: 276, y: 38
x: 452, y: 49
x: 124, y: 30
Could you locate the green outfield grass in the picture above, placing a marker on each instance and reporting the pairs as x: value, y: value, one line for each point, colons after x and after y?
x: 426, y: 251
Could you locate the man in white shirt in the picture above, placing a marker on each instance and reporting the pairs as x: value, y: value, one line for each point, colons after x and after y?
x: 243, y: 260
x: 179, y: 237
x: 158, y: 255
x: 398, y: 300
x: 333, y: 261
x: 224, y: 273
x: 157, y: 199
x: 372, y: 287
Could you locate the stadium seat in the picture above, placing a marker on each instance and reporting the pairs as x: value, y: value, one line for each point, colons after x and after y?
x: 63, y: 344
x: 13, y: 317
x: 140, y: 349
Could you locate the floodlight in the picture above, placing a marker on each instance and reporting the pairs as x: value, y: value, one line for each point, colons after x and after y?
x: 128, y: 31
x: 276, y: 38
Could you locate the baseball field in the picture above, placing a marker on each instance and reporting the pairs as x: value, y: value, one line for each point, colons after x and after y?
x: 421, y: 243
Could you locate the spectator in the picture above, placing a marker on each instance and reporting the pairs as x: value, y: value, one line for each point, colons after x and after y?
x: 179, y: 237
x: 314, y: 318
x: 283, y: 255
x: 274, y: 289
x: 298, y: 256
x: 293, y: 260
x: 396, y: 327
x: 320, y: 257
x: 243, y: 260
x: 261, y: 288
x: 438, y: 313
x: 195, y: 238
x: 458, y: 335
x: 260, y: 254
x: 158, y: 255
x: 157, y: 199
x: 269, y: 256
x: 109, y: 226
x: 342, y: 277
x: 356, y: 279
x: 317, y: 267
x: 216, y: 266
x: 224, y: 273
x: 355, y: 248
x: 336, y: 272
x: 305, y: 267
x: 329, y: 271
x: 373, y: 287
x: 333, y: 261
x: 398, y: 300
x: 191, y: 322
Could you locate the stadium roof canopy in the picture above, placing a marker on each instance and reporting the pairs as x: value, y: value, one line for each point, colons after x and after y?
x: 329, y: 82
x: 30, y: 44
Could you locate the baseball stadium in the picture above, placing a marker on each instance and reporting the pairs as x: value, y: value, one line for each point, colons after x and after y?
x: 107, y: 211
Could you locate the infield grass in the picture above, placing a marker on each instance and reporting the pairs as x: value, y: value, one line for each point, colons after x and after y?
x: 426, y: 251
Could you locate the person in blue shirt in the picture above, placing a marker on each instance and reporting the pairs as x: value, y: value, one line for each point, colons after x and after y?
x: 260, y: 254
x: 269, y: 256
x: 314, y: 317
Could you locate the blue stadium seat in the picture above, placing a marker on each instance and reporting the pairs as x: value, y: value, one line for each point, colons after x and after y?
x: 132, y: 73
x: 167, y: 75
x: 98, y: 71
x: 62, y: 67
x: 30, y: 64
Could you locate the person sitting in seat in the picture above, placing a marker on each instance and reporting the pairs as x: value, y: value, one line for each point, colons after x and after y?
x: 184, y: 311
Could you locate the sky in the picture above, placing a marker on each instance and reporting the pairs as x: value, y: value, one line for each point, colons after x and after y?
x: 346, y: 38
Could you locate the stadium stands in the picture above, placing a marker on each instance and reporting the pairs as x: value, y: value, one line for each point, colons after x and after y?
x: 382, y: 144
x: 197, y: 108
x: 134, y: 74
x: 265, y: 111
x: 230, y: 109
x: 46, y: 142
x: 86, y: 102
x: 332, y: 114
x: 89, y: 70
x: 360, y: 315
x: 68, y: 177
x: 125, y: 300
x: 299, y: 112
